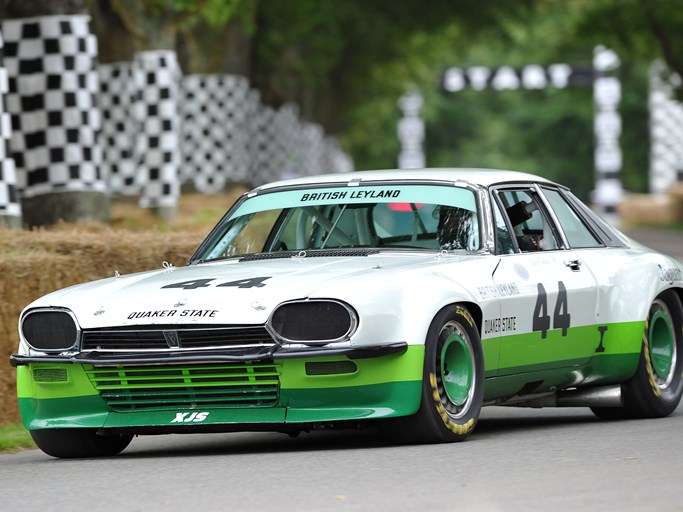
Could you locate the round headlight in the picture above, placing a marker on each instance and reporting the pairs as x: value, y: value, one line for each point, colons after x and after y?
x: 313, y: 321
x: 49, y: 330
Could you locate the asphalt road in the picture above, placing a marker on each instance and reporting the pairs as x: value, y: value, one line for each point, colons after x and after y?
x: 668, y: 242
x: 517, y: 460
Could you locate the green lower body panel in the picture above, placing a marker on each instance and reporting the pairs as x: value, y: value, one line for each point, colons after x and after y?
x: 588, y: 355
x: 601, y: 371
x: 320, y: 389
x: 280, y: 392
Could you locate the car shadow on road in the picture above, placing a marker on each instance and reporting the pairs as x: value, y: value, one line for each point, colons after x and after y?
x: 490, y: 426
x: 512, y: 420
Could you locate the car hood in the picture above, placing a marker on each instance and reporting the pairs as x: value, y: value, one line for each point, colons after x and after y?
x: 233, y: 291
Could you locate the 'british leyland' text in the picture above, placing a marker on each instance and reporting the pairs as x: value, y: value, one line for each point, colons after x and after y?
x: 356, y: 194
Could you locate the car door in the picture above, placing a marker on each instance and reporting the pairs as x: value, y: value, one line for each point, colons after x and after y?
x: 548, y: 297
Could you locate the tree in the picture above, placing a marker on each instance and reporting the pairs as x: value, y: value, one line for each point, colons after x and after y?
x: 639, y: 29
x: 320, y: 53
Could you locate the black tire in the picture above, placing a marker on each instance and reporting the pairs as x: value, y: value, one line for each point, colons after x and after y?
x: 69, y: 443
x: 451, y: 402
x: 657, y: 386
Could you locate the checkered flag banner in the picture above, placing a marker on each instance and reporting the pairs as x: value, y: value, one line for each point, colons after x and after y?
x: 52, y: 99
x: 117, y: 92
x: 156, y: 80
x: 213, y: 111
x: 9, y: 198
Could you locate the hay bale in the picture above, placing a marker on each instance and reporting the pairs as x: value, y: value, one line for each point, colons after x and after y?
x: 34, y: 263
x: 675, y: 192
x: 37, y: 262
x: 647, y: 210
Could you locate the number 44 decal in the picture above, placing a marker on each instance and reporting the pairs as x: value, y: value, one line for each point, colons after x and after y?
x: 561, y: 317
x: 251, y: 282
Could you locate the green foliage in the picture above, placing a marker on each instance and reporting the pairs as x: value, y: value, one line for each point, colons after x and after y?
x: 640, y: 29
x: 155, y: 24
x: 320, y: 53
x: 189, y: 12
x: 346, y: 63
x: 212, y: 13
x: 549, y: 132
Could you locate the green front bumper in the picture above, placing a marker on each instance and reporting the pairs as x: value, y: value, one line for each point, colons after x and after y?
x: 285, y: 391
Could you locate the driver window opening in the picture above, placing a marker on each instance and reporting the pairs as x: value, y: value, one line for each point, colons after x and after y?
x: 531, y: 228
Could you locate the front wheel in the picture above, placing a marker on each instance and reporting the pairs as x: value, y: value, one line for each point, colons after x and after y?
x: 452, y: 384
x: 70, y: 443
x: 656, y: 388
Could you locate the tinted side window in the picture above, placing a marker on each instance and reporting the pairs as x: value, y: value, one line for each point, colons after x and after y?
x: 578, y: 235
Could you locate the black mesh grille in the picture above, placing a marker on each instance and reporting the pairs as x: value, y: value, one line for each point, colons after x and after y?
x: 312, y: 321
x: 50, y: 375
x: 165, y: 337
x: 50, y: 330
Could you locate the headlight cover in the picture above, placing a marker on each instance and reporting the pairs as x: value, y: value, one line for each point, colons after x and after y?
x: 50, y: 330
x: 313, y: 321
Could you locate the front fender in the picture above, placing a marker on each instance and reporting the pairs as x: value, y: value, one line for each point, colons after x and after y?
x: 398, y: 311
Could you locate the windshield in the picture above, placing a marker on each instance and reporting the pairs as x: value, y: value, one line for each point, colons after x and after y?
x: 426, y: 217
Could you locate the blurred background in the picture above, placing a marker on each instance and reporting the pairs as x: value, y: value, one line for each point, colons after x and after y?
x: 248, y: 91
x: 127, y: 127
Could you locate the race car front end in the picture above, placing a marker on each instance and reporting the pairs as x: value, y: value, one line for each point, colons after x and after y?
x: 182, y: 377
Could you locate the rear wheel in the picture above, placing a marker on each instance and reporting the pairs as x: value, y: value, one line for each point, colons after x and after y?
x: 656, y: 388
x: 452, y: 384
x: 78, y: 442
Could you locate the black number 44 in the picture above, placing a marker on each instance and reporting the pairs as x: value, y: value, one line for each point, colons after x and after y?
x: 561, y: 316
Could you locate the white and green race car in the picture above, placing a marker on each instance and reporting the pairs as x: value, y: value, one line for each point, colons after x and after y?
x: 401, y: 299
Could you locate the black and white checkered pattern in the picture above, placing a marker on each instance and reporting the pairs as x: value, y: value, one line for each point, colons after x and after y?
x: 117, y: 93
x: 52, y: 99
x: 313, y: 140
x: 336, y: 159
x: 289, y: 143
x: 323, y: 154
x: 62, y: 140
x: 156, y: 77
x: 9, y: 197
x: 213, y: 112
x: 274, y: 143
x: 265, y: 161
x: 281, y: 146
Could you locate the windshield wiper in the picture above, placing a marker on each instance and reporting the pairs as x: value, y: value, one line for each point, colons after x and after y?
x: 313, y: 253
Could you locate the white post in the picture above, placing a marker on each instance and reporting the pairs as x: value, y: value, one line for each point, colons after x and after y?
x: 607, y: 124
x: 666, y: 129
x: 411, y: 132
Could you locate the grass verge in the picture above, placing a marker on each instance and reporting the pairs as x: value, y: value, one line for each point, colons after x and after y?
x: 14, y: 437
